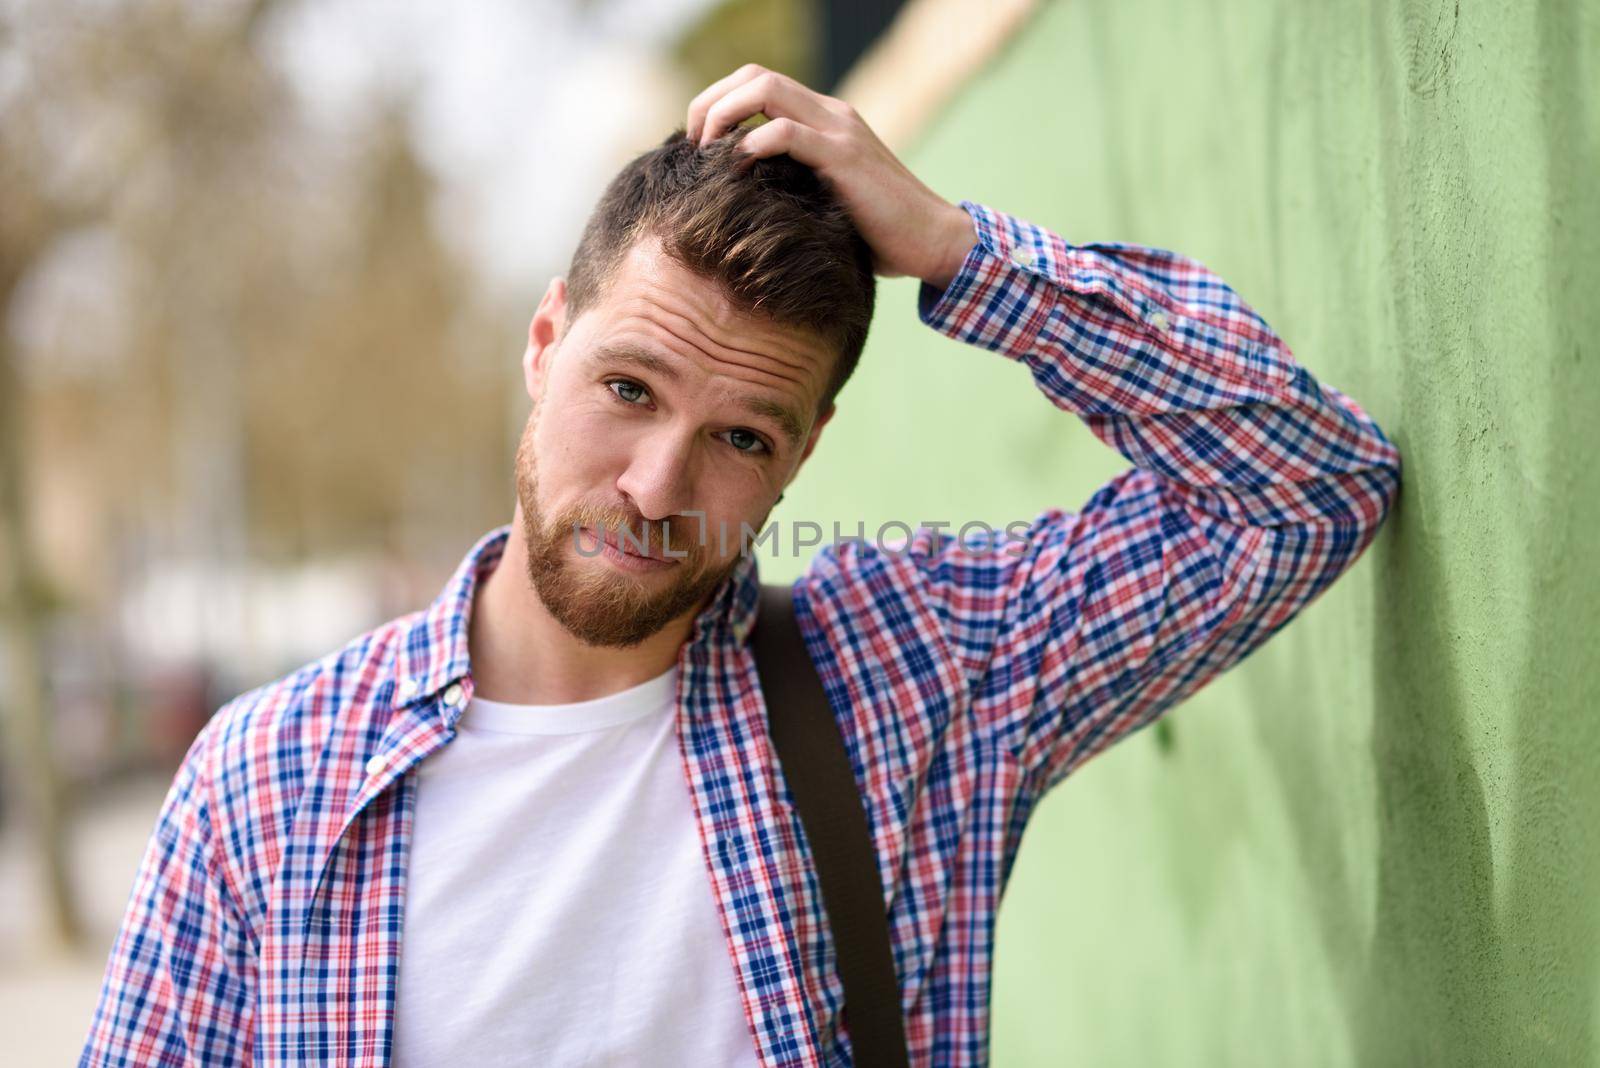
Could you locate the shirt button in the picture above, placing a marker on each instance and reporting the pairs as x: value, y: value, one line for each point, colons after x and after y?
x: 452, y: 696
x: 1022, y: 257
x: 408, y: 688
x: 375, y: 764
x: 1159, y: 320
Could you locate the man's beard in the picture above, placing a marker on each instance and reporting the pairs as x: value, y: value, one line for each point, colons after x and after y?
x: 598, y: 604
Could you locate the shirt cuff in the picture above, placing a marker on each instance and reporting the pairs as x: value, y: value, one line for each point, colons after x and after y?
x: 999, y: 298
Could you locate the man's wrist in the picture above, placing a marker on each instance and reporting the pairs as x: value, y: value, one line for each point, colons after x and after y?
x: 955, y: 235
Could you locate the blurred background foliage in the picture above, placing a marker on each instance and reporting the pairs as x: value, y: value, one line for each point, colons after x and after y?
x: 774, y: 33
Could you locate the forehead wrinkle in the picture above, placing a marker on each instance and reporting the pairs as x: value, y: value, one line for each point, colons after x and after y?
x: 704, y: 301
x: 638, y: 356
x: 802, y: 377
x: 781, y: 414
x: 782, y: 353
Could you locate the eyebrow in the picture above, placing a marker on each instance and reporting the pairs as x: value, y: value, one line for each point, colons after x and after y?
x: 645, y: 359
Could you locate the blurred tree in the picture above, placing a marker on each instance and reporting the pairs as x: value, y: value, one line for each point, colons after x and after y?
x: 781, y: 35
x: 96, y: 101
x: 286, y: 360
x: 358, y: 402
x: 64, y: 156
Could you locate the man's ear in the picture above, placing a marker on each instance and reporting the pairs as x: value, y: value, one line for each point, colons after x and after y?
x: 544, y: 332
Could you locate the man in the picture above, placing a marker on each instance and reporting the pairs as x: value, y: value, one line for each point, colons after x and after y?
x: 540, y: 822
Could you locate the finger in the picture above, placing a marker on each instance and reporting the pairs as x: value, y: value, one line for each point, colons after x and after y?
x: 771, y: 95
x: 714, y: 92
x: 801, y: 142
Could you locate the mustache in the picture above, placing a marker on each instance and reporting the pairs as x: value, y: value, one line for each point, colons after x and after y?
x: 684, y: 535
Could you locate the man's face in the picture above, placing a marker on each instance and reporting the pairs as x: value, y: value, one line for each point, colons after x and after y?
x: 657, y: 403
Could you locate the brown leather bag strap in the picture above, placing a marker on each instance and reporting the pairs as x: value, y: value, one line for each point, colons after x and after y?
x: 812, y: 756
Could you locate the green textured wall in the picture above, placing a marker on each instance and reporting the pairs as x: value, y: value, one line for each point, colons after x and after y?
x: 1374, y: 842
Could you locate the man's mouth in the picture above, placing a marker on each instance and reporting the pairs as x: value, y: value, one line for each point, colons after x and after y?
x: 623, y: 549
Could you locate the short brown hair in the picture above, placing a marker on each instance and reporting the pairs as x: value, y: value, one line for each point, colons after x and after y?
x: 772, y: 234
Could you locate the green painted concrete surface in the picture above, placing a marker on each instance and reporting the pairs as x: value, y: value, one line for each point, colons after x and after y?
x: 1373, y: 843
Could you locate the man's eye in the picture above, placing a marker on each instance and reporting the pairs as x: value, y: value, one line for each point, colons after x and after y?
x: 745, y: 441
x: 630, y: 392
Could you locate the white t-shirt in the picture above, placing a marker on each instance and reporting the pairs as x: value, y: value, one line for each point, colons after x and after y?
x: 558, y: 910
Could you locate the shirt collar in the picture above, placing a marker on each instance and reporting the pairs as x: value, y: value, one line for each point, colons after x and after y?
x: 434, y: 652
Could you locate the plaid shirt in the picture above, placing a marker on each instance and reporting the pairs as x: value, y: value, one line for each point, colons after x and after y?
x: 968, y: 677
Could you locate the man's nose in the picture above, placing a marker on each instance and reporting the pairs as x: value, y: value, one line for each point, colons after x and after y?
x: 657, y: 478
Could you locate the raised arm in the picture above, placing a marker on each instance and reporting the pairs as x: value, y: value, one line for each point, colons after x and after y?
x: 1253, y: 487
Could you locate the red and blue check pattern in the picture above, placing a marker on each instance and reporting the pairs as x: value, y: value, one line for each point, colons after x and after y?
x: 969, y: 678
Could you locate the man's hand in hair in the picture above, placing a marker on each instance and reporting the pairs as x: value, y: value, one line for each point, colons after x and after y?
x: 911, y: 229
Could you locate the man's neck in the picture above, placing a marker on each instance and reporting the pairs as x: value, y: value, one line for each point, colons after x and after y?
x: 521, y: 654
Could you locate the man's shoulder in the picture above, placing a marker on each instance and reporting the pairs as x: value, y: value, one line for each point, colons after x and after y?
x: 288, y: 719
x: 269, y: 744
